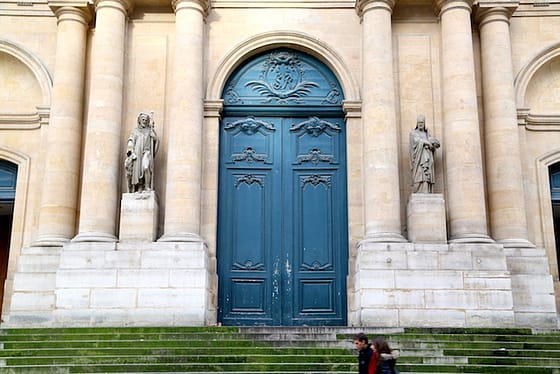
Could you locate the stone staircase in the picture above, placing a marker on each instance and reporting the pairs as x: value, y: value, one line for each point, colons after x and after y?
x: 272, y: 350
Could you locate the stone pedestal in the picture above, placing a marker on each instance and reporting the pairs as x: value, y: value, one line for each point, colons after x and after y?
x: 426, y: 218
x: 139, y: 213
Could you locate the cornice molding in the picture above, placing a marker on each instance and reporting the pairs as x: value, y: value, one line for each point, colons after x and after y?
x: 213, y: 108
x: 25, y: 121
x: 352, y: 108
x: 538, y: 122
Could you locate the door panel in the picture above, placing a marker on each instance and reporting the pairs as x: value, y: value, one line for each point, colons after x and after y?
x: 316, y: 263
x: 247, y: 188
x: 319, y: 211
x: 282, y: 240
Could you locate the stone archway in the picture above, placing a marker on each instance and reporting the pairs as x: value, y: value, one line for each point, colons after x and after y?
x: 213, y: 110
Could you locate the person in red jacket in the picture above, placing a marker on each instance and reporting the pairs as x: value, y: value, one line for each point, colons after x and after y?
x: 366, y: 363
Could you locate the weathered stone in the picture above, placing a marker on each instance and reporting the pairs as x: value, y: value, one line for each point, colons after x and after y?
x: 139, y: 214
x: 426, y: 218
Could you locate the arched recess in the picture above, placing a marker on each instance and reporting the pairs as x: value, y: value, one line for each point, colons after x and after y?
x: 527, y: 115
x: 22, y: 161
x: 39, y: 70
x: 526, y: 73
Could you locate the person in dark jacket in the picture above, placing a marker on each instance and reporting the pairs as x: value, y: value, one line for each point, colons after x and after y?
x: 385, y: 358
x: 365, y: 353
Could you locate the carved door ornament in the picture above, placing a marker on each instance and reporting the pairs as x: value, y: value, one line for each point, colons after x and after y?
x: 249, y: 125
x: 315, y: 126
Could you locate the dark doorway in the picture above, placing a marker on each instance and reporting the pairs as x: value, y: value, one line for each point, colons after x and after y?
x: 8, y: 177
x: 554, y: 172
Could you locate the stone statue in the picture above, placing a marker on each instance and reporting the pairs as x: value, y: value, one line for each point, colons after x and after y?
x: 141, y: 147
x: 422, y: 148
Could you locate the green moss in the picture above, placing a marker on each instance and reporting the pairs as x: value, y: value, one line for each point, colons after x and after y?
x: 463, y: 331
x: 232, y: 349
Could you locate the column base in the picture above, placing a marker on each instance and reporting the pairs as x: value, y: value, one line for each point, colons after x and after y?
x: 471, y: 238
x: 516, y: 243
x: 50, y: 241
x: 383, y: 237
x: 94, y: 237
x: 181, y: 237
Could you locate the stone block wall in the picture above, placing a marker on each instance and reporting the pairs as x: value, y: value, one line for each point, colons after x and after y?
x: 113, y: 284
x: 449, y: 285
x: 532, y: 287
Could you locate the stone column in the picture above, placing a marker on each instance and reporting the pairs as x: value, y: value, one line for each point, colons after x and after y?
x: 59, y: 199
x: 381, y: 166
x: 461, y: 133
x: 98, y: 209
x: 184, y: 163
x: 508, y: 220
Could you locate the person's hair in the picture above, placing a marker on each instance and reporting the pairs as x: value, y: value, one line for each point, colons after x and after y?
x: 381, y: 345
x: 361, y: 337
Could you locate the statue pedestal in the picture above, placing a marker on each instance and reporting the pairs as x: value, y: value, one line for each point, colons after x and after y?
x: 139, y: 214
x: 426, y: 218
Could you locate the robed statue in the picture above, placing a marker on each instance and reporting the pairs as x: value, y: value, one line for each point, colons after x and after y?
x: 141, y: 148
x: 422, y: 148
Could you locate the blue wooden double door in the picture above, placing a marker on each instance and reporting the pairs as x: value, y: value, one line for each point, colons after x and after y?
x: 282, y: 231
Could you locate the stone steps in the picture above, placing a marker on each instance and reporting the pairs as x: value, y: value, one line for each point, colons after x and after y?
x: 272, y: 350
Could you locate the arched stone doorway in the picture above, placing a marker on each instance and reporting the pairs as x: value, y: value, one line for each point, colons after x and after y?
x: 282, y: 241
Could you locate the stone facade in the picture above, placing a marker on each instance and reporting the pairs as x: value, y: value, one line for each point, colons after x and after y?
x: 75, y: 75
